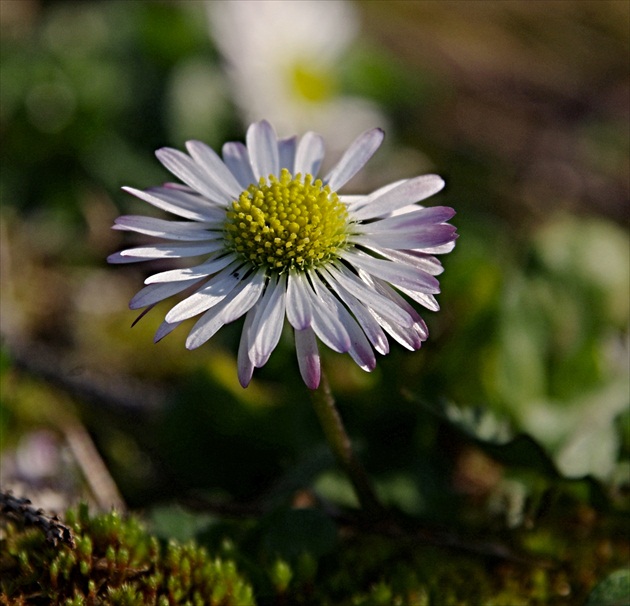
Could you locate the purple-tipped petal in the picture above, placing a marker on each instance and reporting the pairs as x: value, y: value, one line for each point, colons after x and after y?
x: 394, y: 273
x: 360, y: 349
x: 308, y: 357
x: 386, y: 201
x: 299, y: 313
x: 268, y: 324
x: 422, y: 217
x: 367, y: 321
x: 326, y: 323
x: 359, y: 289
x: 422, y: 238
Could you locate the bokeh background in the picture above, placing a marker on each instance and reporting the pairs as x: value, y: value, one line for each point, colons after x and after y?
x: 522, y: 388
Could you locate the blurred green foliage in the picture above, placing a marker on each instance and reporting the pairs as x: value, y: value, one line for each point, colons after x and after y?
x: 516, y: 404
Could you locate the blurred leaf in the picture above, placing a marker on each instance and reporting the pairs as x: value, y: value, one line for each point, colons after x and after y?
x: 173, y: 522
x: 337, y: 488
x: 495, y: 438
x: 612, y: 591
x: 585, y: 437
x: 517, y: 451
x: 593, y: 253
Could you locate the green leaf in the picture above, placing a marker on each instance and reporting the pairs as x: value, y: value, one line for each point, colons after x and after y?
x: 173, y: 522
x: 614, y: 590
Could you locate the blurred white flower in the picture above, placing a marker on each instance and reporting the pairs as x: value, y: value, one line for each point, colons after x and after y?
x: 283, y: 59
x: 280, y: 243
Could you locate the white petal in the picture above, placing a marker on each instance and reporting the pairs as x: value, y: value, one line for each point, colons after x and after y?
x: 171, y: 230
x: 245, y: 366
x: 423, y: 238
x: 385, y: 201
x: 262, y: 145
x: 421, y: 260
x: 359, y: 349
x: 397, y: 274
x: 412, y: 337
x: 409, y: 339
x: 428, y: 301
x: 199, y: 271
x: 269, y: 321
x: 214, y: 168
x: 214, y: 291
x: 164, y: 251
x: 236, y: 158
x: 180, y: 203
x: 326, y: 323
x: 419, y: 325
x: 164, y: 329
x: 154, y: 293
x: 309, y: 155
x: 189, y: 172
x: 367, y: 321
x: 442, y: 249
x: 355, y: 202
x: 239, y: 301
x: 359, y: 152
x: 247, y: 298
x: 308, y: 357
x: 418, y: 218
x: 299, y: 313
x: 286, y: 154
x: 359, y: 289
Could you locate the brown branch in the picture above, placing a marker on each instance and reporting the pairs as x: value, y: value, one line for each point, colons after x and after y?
x: 21, y: 511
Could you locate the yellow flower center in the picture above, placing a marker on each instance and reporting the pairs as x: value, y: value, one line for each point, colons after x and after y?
x: 311, y: 84
x: 287, y: 223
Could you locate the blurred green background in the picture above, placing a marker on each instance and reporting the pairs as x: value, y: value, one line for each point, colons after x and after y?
x: 523, y: 384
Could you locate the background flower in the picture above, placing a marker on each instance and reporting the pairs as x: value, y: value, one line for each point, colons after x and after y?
x: 285, y: 61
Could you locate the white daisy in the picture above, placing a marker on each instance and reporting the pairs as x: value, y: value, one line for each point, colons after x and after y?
x: 278, y: 242
x: 284, y: 61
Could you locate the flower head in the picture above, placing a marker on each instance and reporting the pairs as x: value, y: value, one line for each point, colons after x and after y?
x: 279, y: 242
x: 283, y: 61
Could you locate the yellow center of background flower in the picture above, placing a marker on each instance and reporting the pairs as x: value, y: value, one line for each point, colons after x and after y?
x: 311, y: 84
x: 287, y: 223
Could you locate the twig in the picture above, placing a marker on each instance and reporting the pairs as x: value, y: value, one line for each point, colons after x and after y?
x: 20, y: 510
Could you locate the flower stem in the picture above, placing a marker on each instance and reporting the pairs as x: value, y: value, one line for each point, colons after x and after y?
x: 339, y: 442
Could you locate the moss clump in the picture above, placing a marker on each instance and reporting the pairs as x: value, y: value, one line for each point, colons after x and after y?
x: 116, y: 562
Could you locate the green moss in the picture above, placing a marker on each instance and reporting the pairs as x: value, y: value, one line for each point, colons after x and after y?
x: 114, y: 562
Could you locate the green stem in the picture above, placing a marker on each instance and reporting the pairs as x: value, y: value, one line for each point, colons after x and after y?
x: 339, y: 442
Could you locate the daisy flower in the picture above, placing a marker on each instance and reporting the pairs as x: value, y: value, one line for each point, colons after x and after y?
x: 277, y: 242
x: 287, y: 69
